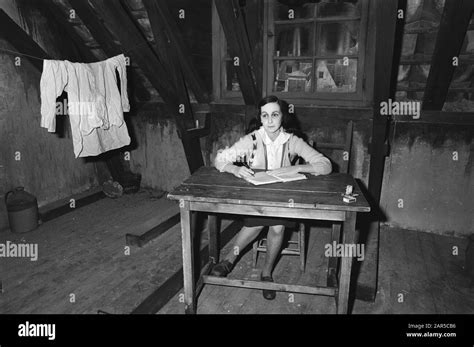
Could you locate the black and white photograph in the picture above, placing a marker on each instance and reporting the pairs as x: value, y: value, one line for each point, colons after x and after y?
x: 237, y: 158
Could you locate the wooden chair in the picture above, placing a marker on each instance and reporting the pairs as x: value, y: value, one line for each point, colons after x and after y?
x: 295, y: 247
x: 298, y: 247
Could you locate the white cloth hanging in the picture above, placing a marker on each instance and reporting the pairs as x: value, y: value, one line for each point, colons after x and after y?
x: 95, y: 104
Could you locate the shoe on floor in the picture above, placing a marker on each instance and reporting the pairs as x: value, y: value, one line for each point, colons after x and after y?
x: 222, y: 269
x: 268, y: 294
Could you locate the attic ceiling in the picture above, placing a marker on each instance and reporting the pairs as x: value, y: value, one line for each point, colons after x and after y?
x: 420, y: 33
x: 89, y: 31
x: 137, y: 9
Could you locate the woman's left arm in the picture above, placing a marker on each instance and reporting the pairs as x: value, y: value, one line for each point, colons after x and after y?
x: 317, y: 164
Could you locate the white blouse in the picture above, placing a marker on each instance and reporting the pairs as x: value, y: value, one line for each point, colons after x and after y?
x: 274, y: 148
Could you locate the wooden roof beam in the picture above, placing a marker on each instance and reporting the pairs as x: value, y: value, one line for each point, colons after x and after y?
x: 161, y: 23
x: 141, y: 52
x: 161, y: 46
x: 132, y: 41
x: 168, y: 62
x: 167, y: 54
x: 22, y: 42
x: 96, y: 27
x: 106, y: 41
x: 452, y: 30
x: 60, y: 18
x: 235, y: 31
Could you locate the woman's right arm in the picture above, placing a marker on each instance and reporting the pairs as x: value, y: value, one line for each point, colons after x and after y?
x: 238, y: 171
x: 226, y: 157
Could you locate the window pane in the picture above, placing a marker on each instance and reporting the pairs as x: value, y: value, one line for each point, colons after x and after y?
x: 284, y: 12
x: 292, y: 40
x: 292, y: 76
x: 350, y: 8
x: 336, y: 75
x: 339, y: 38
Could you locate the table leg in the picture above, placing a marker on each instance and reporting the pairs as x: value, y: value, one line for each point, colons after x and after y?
x: 194, y: 220
x: 348, y: 237
x: 333, y: 261
x: 188, y: 258
x: 213, y: 235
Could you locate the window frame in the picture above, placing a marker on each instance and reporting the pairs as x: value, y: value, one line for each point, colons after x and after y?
x: 364, y: 93
x: 357, y: 98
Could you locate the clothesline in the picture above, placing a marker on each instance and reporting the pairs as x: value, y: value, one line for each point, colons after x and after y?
x: 39, y: 58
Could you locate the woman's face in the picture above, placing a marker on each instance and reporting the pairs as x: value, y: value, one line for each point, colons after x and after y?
x: 271, y: 117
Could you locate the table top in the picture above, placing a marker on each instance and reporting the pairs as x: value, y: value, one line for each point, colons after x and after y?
x: 317, y: 192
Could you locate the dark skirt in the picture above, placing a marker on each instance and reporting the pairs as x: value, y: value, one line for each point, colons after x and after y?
x: 268, y: 221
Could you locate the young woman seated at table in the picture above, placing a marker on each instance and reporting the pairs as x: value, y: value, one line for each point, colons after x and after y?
x: 272, y: 147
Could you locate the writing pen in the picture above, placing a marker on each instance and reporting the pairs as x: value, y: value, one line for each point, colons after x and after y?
x: 248, y: 167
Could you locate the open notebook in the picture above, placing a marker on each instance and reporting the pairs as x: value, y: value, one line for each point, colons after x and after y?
x: 266, y: 178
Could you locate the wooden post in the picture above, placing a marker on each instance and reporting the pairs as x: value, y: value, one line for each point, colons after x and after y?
x: 188, y: 258
x: 385, y: 27
x: 348, y: 237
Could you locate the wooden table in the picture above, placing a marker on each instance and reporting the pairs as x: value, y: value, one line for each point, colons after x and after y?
x: 318, y: 197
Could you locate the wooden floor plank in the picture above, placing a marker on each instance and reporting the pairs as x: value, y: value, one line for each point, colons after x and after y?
x: 218, y: 297
x: 418, y: 297
x: 73, y: 256
x: 127, y: 286
x: 316, y: 273
x: 79, y: 245
x: 82, y: 252
x: 75, y: 275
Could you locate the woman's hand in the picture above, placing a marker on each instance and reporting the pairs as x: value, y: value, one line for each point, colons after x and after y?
x: 286, y: 170
x: 242, y: 172
x: 239, y: 171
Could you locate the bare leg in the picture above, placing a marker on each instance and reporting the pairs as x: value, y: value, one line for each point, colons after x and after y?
x: 245, y: 236
x: 274, y: 241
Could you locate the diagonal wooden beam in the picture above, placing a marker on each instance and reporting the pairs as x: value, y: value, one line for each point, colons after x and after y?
x: 168, y: 56
x: 139, y: 49
x: 70, y: 47
x: 22, y: 42
x: 192, y: 143
x: 134, y: 44
x: 452, y: 30
x: 96, y: 27
x: 161, y: 18
x: 106, y: 41
x: 60, y: 17
x: 235, y: 31
x: 161, y: 46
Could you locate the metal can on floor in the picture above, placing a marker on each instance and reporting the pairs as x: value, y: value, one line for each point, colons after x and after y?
x: 22, y: 209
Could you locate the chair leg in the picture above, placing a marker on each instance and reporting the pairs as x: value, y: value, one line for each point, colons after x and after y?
x: 333, y: 261
x: 302, y: 245
x: 213, y: 230
x: 255, y: 253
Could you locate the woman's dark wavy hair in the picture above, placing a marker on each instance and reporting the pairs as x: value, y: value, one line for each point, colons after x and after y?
x: 288, y: 122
